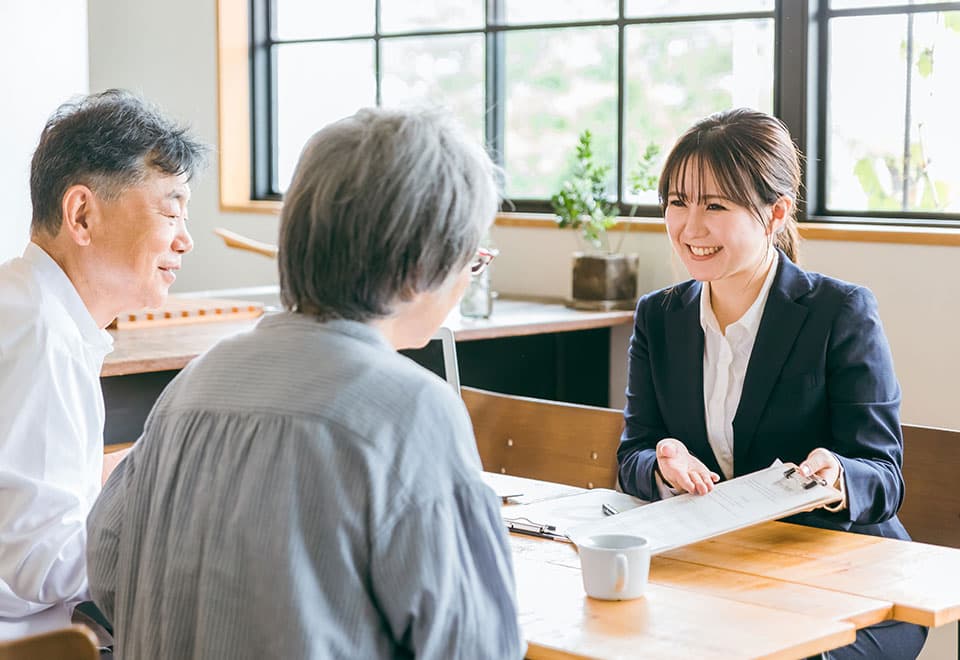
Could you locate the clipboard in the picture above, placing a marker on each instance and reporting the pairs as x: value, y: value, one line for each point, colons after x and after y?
x: 552, y: 519
x: 775, y: 492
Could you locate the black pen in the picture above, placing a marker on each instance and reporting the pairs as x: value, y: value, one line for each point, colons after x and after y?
x: 609, y: 510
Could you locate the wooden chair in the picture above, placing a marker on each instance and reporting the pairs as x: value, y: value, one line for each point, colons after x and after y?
x: 931, y: 506
x: 560, y: 442
x: 73, y: 643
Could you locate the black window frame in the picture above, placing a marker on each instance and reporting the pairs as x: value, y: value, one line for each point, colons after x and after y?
x: 799, y: 96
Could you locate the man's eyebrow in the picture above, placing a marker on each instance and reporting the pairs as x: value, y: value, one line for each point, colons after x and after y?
x: 177, y: 195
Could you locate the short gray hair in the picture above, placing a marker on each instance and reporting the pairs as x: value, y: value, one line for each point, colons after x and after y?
x: 109, y: 142
x: 383, y: 205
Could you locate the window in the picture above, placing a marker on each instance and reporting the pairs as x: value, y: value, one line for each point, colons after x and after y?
x: 890, y: 101
x: 529, y: 75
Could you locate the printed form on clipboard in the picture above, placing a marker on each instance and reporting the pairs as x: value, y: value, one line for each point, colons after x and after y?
x: 554, y: 518
x: 775, y: 492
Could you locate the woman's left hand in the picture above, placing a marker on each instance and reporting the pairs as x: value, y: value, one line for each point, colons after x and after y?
x: 822, y: 464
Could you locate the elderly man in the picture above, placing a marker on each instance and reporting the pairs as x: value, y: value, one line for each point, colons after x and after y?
x: 109, y: 185
x: 303, y: 490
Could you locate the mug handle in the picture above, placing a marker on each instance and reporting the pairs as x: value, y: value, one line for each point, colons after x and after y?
x: 621, y: 573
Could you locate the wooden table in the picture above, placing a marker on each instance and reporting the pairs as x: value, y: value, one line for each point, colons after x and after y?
x: 773, y: 590
x: 172, y: 347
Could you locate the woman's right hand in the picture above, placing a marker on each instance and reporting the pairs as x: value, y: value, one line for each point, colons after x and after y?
x: 683, y: 471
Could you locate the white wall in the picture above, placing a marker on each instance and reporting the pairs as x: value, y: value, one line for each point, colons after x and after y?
x: 167, y: 51
x: 43, y: 47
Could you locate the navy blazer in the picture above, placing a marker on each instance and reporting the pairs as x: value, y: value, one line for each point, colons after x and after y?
x: 820, y: 375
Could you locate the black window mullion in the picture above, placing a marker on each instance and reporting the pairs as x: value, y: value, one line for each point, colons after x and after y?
x: 907, y: 102
x: 621, y: 99
x: 791, y: 102
x: 495, y: 81
x: 263, y: 95
x: 818, y: 161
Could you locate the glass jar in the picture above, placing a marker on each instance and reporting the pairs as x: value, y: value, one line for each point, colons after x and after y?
x: 477, y: 301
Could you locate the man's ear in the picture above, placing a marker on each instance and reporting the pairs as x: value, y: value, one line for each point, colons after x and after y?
x: 78, y: 207
x: 779, y: 213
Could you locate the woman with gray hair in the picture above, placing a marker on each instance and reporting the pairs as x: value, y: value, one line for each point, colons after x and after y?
x: 303, y: 490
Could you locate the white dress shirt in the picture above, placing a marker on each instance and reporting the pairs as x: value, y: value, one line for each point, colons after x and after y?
x: 725, y: 359
x: 51, y: 442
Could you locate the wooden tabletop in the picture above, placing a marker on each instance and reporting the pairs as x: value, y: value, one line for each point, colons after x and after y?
x: 689, y: 611
x: 730, y: 584
x: 737, y: 595
x: 921, y: 580
x: 159, y: 349
x: 560, y: 621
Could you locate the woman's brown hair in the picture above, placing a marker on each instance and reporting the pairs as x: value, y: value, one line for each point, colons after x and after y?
x: 753, y: 160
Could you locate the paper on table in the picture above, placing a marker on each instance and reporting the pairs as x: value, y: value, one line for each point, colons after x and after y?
x: 775, y: 492
x: 520, y: 490
x: 557, y: 516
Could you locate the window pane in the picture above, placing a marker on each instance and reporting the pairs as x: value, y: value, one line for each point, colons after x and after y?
x: 645, y: 8
x: 308, y: 19
x: 406, y: 16
x: 679, y: 73
x: 867, y: 169
x: 444, y: 71
x: 558, y: 11
x: 551, y: 98
x: 854, y: 4
x: 318, y: 84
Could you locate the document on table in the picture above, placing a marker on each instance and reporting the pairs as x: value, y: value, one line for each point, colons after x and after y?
x: 555, y: 517
x: 519, y: 490
x: 775, y: 492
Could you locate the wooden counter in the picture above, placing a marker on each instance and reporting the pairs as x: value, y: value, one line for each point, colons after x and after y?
x: 167, y: 348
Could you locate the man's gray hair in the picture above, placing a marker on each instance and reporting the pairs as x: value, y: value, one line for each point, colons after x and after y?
x: 383, y: 205
x: 109, y: 142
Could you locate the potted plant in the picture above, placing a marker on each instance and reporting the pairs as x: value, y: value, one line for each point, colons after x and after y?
x: 603, y: 278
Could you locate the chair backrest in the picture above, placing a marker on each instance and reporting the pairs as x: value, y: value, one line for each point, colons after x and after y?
x: 931, y: 506
x: 73, y: 643
x: 560, y: 442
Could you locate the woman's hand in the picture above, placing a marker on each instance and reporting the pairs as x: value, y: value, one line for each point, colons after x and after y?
x: 821, y: 464
x: 683, y: 471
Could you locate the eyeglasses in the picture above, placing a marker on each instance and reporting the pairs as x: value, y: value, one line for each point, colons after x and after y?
x: 482, y: 260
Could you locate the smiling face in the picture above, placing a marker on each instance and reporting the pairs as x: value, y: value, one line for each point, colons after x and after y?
x: 718, y: 240
x: 137, y: 240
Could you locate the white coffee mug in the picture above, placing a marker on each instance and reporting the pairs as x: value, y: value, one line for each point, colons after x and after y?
x: 614, y: 566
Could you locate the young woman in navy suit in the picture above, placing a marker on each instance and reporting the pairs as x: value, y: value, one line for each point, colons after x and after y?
x: 754, y: 358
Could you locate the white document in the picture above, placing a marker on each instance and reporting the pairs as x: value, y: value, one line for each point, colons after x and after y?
x: 520, y: 490
x: 776, y: 492
x: 554, y: 518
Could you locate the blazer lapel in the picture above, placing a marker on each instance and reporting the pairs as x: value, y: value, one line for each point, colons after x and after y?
x: 684, y: 345
x: 779, y: 327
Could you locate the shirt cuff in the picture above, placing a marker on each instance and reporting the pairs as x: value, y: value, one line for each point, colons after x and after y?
x: 841, y: 483
x: 662, y: 487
